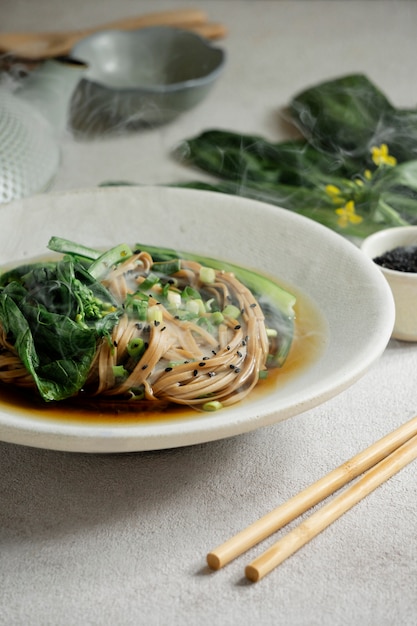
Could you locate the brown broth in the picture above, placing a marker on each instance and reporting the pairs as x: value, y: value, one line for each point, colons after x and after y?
x: 308, y: 345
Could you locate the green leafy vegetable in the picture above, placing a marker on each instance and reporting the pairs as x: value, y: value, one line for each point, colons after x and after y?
x: 105, y: 261
x: 53, y: 314
x: 354, y: 169
x: 350, y: 115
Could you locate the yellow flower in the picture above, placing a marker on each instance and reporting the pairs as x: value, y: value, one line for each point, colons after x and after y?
x: 381, y: 156
x: 347, y: 215
x: 334, y: 192
x: 367, y: 174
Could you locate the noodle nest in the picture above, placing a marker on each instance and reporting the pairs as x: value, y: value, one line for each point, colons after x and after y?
x: 184, y: 358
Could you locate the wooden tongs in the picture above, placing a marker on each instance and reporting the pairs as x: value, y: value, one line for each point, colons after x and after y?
x: 38, y: 46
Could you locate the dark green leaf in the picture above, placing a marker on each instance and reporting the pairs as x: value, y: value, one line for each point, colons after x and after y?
x: 349, y: 115
x: 341, y: 121
x: 54, y: 314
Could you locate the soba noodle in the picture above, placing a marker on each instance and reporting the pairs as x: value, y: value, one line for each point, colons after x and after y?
x: 203, y: 341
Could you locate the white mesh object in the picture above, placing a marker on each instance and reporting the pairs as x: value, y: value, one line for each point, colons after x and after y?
x: 29, y: 154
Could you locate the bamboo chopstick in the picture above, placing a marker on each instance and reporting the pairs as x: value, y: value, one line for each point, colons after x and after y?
x: 330, y: 512
x: 312, y: 495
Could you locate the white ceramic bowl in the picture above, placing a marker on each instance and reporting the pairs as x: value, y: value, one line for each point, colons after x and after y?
x: 143, y: 77
x: 354, y: 301
x: 403, y: 284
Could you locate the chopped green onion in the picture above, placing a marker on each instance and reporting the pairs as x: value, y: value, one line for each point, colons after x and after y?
x: 174, y: 298
x: 154, y: 314
x: 120, y: 372
x: 213, y: 405
x: 217, y: 318
x: 211, y: 305
x: 111, y: 257
x: 138, y: 393
x: 189, y: 292
x: 136, y: 347
x: 230, y: 310
x: 138, y: 304
x: 271, y: 332
x: 164, y: 290
x: 207, y: 275
x: 150, y: 281
x: 263, y: 374
x: 195, y: 306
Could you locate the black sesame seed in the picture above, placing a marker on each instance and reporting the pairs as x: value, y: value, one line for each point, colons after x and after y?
x: 401, y: 259
x: 238, y: 326
x: 239, y: 354
x: 205, y: 358
x: 139, y: 326
x: 195, y: 372
x: 201, y: 364
x: 163, y: 328
x: 144, y: 367
x: 211, y: 374
x: 237, y: 370
x: 232, y: 367
x: 156, y: 323
x: 168, y: 369
x: 253, y: 305
x: 115, y: 344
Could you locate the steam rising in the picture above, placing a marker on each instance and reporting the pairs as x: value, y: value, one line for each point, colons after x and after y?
x: 194, y: 335
x: 343, y: 123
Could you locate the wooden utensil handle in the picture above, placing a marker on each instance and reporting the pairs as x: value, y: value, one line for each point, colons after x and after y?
x: 210, y: 30
x: 180, y: 17
x: 37, y: 46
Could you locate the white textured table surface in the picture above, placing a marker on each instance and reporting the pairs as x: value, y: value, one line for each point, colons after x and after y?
x: 121, y: 539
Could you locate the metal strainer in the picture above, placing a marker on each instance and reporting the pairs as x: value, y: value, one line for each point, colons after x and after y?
x: 29, y: 153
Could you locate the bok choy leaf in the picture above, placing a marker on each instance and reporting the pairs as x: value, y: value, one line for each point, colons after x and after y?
x: 53, y: 314
x: 354, y: 169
